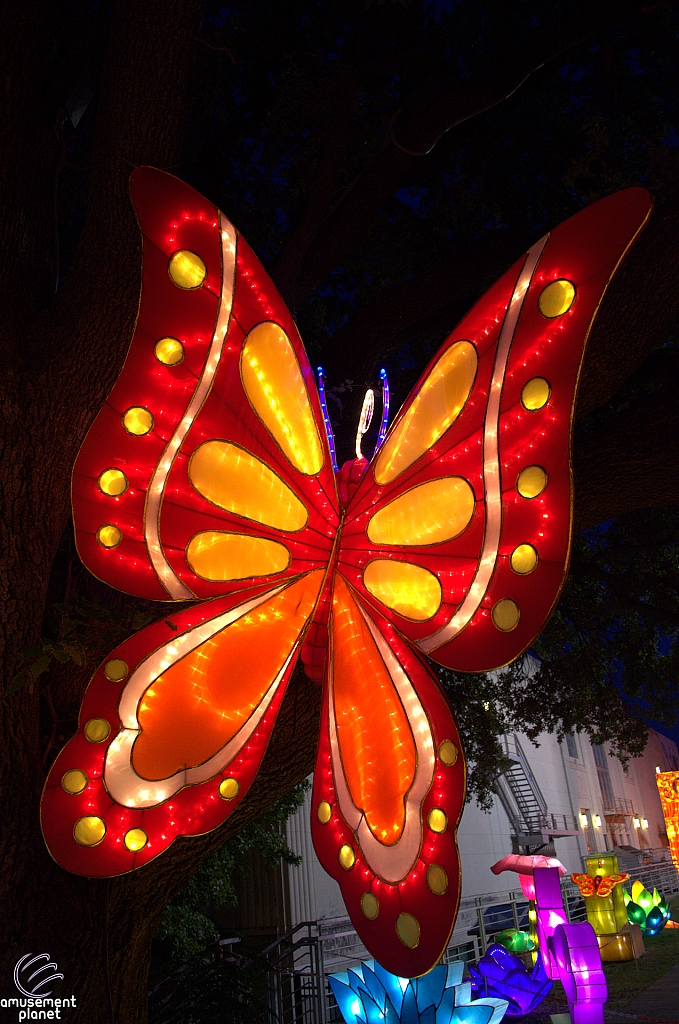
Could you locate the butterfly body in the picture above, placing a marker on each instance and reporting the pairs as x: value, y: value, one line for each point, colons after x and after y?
x: 208, y: 477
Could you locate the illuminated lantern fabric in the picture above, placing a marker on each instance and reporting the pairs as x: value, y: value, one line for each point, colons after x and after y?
x: 603, y: 893
x: 367, y: 994
x: 668, y: 788
x: 505, y: 976
x: 650, y: 912
x: 208, y: 475
x: 602, y: 888
x: 570, y: 951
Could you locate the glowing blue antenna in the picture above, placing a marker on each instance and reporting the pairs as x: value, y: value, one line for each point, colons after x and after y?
x: 385, y: 409
x: 326, y: 418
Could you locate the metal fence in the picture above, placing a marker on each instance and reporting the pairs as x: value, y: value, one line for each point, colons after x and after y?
x: 291, y: 973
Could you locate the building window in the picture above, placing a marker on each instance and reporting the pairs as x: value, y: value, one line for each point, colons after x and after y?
x: 605, y: 785
x: 572, y: 745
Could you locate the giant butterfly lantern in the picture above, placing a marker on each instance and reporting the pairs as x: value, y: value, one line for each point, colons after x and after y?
x: 209, y: 475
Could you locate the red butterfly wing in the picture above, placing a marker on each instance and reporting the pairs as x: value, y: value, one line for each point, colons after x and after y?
x: 388, y: 790
x: 585, y: 884
x: 460, y: 529
x: 208, y: 466
x: 173, y: 728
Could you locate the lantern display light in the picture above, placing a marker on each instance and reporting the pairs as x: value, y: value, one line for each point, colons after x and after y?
x: 604, y: 894
x: 649, y: 911
x: 501, y: 974
x: 571, y: 951
x: 524, y: 865
x: 515, y: 940
x: 368, y: 993
x: 209, y: 476
x: 668, y: 790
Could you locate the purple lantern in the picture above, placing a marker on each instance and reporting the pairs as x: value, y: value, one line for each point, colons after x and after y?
x: 501, y: 974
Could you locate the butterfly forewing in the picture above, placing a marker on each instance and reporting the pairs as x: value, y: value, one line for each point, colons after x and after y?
x: 388, y: 790
x: 173, y: 728
x: 206, y: 469
x: 460, y: 529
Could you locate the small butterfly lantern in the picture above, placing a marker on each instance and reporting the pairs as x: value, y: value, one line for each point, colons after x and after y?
x: 209, y: 475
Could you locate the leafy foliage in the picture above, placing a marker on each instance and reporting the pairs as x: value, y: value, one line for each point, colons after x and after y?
x: 85, y: 631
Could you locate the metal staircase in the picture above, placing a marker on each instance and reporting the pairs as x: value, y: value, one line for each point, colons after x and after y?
x: 532, y: 825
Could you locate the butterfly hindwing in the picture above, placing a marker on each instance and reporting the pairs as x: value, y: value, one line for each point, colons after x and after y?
x: 461, y: 525
x: 173, y: 728
x: 208, y: 467
x: 389, y: 787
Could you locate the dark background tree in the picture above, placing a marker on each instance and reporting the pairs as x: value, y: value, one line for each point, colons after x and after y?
x: 387, y: 161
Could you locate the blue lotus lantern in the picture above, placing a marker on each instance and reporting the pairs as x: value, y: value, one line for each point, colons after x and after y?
x: 502, y: 975
x: 368, y: 994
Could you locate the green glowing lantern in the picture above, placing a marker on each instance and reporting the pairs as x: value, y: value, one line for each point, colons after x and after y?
x: 642, y: 897
x: 655, y: 922
x: 515, y: 940
x: 636, y: 914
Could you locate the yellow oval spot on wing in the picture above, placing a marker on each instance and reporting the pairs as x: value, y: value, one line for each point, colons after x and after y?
x: 523, y: 559
x: 113, y: 482
x: 347, y: 857
x: 506, y: 615
x: 531, y: 481
x: 136, y: 839
x: 408, y: 930
x: 74, y: 782
x: 437, y: 820
x: 137, y: 421
x: 436, y: 511
x: 448, y: 753
x: 97, y: 730
x: 435, y: 407
x: 370, y: 906
x: 109, y: 536
x: 169, y: 351
x: 275, y: 387
x: 408, y: 589
x: 557, y: 298
x: 535, y: 393
x: 89, y: 831
x: 437, y: 879
x: 229, y: 789
x: 186, y: 269
x: 232, y: 478
x: 324, y: 812
x: 216, y: 555
x: 115, y: 670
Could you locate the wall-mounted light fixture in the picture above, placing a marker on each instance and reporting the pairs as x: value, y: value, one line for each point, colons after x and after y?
x: 636, y: 822
x: 584, y: 823
x: 597, y: 821
x: 644, y: 822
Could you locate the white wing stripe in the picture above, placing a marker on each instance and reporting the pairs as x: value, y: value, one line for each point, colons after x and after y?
x: 491, y: 464
x: 154, y: 496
